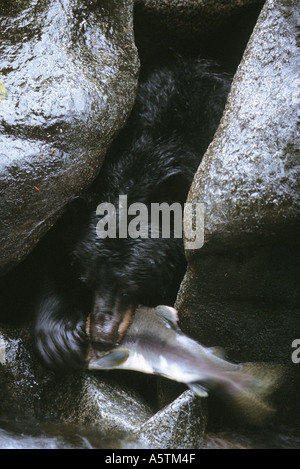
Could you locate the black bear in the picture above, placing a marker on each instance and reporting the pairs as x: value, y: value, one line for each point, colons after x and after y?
x: 153, y: 160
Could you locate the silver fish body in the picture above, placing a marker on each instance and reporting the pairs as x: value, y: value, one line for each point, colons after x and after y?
x: 154, y: 344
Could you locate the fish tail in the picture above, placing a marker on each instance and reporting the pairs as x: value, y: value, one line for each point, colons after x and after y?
x: 254, y: 384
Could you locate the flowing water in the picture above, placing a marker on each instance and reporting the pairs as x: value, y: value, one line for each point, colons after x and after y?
x: 16, y: 434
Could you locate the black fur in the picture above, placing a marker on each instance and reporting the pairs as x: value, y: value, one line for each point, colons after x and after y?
x: 177, y: 111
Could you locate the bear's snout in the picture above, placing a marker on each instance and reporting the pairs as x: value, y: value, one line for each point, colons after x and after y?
x: 106, y: 326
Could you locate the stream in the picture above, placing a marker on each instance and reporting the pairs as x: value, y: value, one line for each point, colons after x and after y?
x: 16, y: 434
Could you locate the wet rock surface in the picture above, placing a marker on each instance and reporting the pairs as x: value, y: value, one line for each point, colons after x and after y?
x: 20, y: 384
x: 181, y: 424
x: 240, y: 290
x: 249, y: 178
x: 69, y: 72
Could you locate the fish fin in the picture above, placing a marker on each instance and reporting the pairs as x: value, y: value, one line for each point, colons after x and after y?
x: 198, y: 389
x: 168, y: 313
x: 110, y: 360
x: 218, y: 352
x: 255, y: 382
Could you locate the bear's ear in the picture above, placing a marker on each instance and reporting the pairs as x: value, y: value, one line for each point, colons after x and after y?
x: 173, y: 188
